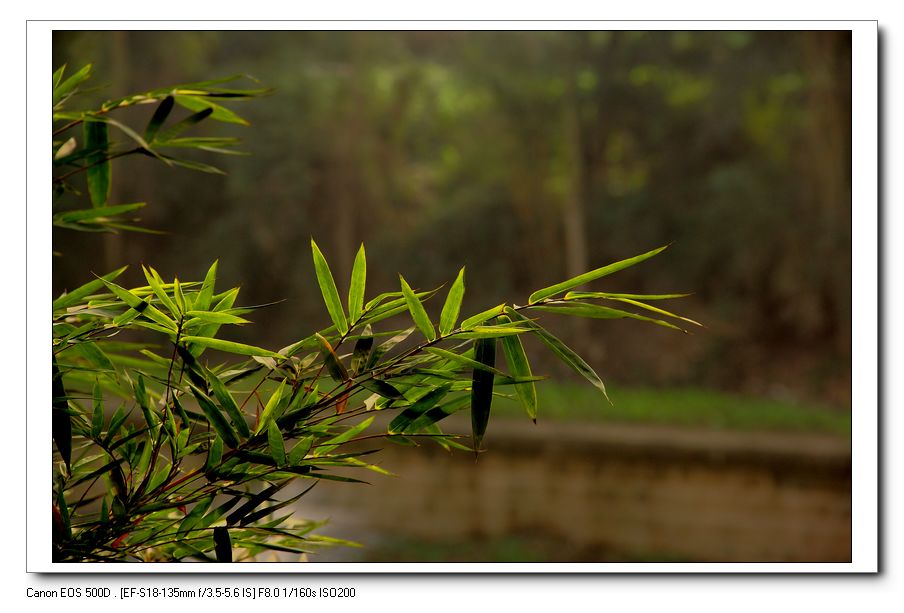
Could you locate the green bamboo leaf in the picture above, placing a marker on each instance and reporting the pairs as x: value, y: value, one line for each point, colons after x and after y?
x: 178, y: 296
x: 449, y: 316
x: 230, y: 346
x: 630, y: 299
x: 222, y: 544
x: 141, y: 306
x: 220, y: 113
x: 229, y: 404
x: 356, y: 287
x: 97, y: 172
x: 482, y: 389
x: 61, y: 424
x: 156, y: 284
x: 195, y: 515
x: 346, y: 436
x: 333, y: 364
x: 160, y: 114
x: 300, y: 450
x: 214, y: 454
x: 587, y: 277
x: 418, y: 314
x: 67, y: 87
x: 215, y: 417
x: 202, y: 303
x: 363, y: 347
x: 418, y: 408
x: 591, y: 295
x: 97, y: 419
x: 96, y: 214
x: 328, y: 289
x: 462, y: 359
x: 565, y: 353
x: 382, y: 388
x: 178, y: 128
x: 269, y: 412
x: 520, y: 367
x: 277, y: 444
x: 481, y: 317
x: 387, y: 346
x: 492, y: 332
x: 212, y: 317
x: 75, y: 296
x: 584, y: 309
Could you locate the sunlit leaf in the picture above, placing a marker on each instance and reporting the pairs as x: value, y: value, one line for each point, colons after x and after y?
x: 587, y: 277
x: 418, y: 314
x: 585, y: 309
x: 357, y: 285
x: 520, y: 367
x: 75, y: 296
x: 328, y: 289
x: 334, y: 365
x: 449, y: 316
x: 476, y: 320
x: 230, y: 346
x: 565, y: 353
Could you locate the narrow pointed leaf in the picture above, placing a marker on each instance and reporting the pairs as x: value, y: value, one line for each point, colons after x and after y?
x: 72, y: 298
x: 157, y: 286
x: 277, y: 445
x: 482, y: 389
x: 230, y: 346
x: 363, y: 346
x: 215, y: 454
x: 449, y: 316
x: 463, y: 360
x: 216, y: 418
x: 565, y: 353
x: 160, y: 114
x: 328, y: 289
x: 97, y: 418
x: 585, y: 309
x: 520, y: 367
x: 428, y: 401
x: 61, y: 425
x: 334, y: 365
x: 587, y: 277
x: 591, y: 295
x: 357, y: 285
x: 383, y: 389
x: 269, y: 412
x: 202, y: 303
x: 141, y: 306
x: 222, y: 544
x: 481, y: 317
x: 387, y: 346
x: 418, y: 314
x: 229, y: 404
x: 98, y: 166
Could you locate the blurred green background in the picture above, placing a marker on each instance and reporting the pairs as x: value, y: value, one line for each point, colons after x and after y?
x: 528, y: 157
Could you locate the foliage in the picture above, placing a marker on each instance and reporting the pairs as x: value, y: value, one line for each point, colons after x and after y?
x: 175, y: 443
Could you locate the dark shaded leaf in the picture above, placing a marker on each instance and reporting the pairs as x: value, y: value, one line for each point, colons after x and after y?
x: 426, y: 402
x: 160, y: 114
x: 61, y: 425
x: 97, y: 172
x: 215, y: 417
x: 363, y: 347
x: 222, y: 544
x: 482, y: 389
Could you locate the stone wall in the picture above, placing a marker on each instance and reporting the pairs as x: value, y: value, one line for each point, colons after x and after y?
x: 611, y: 492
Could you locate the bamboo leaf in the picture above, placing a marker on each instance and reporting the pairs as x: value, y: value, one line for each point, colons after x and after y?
x: 382, y: 388
x: 214, y: 454
x: 202, y: 303
x: 269, y: 412
x: 464, y: 360
x: 61, y: 424
x: 156, y: 284
x: 63, y: 89
x: 333, y: 364
x: 328, y: 289
x: 426, y: 402
x: 520, y: 367
x: 346, y: 436
x: 220, y: 113
x: 215, y: 417
x: 591, y: 295
x: 213, y: 317
x: 627, y: 299
x: 222, y: 544
x: 97, y: 418
x: 230, y: 346
x: 418, y: 314
x: 587, y: 277
x: 97, y: 172
x: 141, y: 306
x: 481, y: 317
x: 363, y: 347
x: 482, y: 389
x: 160, y: 114
x: 584, y: 309
x: 277, y: 444
x: 71, y: 298
x: 228, y: 403
x: 356, y: 287
x: 449, y: 316
x: 387, y: 346
x: 565, y: 353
